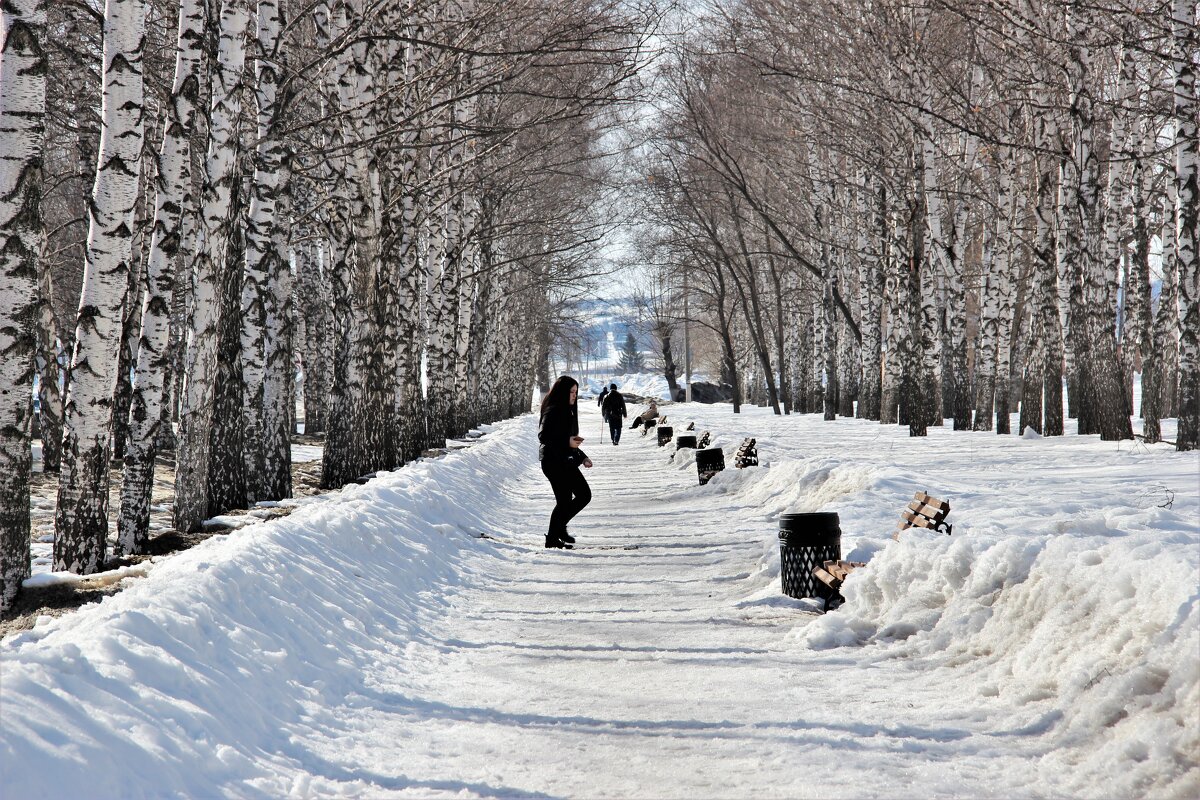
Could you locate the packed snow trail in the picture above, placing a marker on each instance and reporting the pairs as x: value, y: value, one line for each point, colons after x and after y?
x: 377, y: 645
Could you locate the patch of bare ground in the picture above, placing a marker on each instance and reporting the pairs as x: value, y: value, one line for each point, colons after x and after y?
x: 59, y: 599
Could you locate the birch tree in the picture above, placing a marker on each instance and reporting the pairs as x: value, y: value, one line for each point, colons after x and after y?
x: 22, y: 112
x: 211, y: 269
x: 266, y: 291
x: 81, y: 514
x: 174, y: 195
x: 1187, y: 219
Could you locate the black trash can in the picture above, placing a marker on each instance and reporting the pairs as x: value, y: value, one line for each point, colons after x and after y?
x: 665, y: 432
x: 685, y: 441
x: 709, y: 462
x: 807, y: 541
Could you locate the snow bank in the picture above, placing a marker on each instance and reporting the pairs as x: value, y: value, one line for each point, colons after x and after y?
x: 1068, y: 597
x: 191, y: 677
x: 643, y: 384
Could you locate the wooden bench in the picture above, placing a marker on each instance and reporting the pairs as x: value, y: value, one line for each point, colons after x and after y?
x: 705, y: 438
x: 924, y: 512
x: 747, y: 454
x: 833, y: 574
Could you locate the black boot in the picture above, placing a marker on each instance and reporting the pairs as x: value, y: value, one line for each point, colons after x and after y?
x: 556, y: 543
x: 566, y: 537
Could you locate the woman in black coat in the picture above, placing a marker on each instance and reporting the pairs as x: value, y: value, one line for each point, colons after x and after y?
x: 558, y: 435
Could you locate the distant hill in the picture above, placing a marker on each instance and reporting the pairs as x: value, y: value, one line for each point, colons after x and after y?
x: 608, y: 321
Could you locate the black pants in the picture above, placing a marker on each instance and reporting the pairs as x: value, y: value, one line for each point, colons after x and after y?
x: 614, y: 429
x: 571, y: 494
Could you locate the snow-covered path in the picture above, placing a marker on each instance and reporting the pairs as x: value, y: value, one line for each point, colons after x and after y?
x: 604, y: 671
x: 615, y: 672
x: 373, y: 646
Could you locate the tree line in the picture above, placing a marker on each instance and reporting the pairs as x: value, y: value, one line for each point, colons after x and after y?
x: 201, y: 200
x: 919, y: 211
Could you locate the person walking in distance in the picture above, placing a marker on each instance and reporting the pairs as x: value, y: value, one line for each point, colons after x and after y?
x: 603, y: 413
x: 561, y: 457
x: 615, y: 412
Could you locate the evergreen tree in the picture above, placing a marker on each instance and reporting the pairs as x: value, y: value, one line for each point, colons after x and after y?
x: 631, y: 357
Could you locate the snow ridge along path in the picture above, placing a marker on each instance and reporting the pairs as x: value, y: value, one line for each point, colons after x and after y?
x: 375, y: 645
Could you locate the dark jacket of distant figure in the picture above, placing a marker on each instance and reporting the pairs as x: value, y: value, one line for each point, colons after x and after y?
x: 555, y: 429
x: 614, y: 407
x: 600, y: 399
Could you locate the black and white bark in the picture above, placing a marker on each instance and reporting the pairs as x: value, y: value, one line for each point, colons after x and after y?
x: 1045, y: 293
x: 1157, y: 387
x: 278, y: 396
x: 174, y: 195
x: 211, y: 270
x: 81, y: 515
x: 872, y: 241
x: 22, y: 120
x: 1186, y: 40
x: 49, y: 363
x: 262, y: 252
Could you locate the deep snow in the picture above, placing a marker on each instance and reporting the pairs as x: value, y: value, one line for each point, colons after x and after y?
x: 372, y: 645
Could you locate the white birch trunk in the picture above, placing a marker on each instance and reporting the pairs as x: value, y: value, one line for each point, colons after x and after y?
x: 1137, y: 322
x: 894, y: 289
x: 278, y: 410
x: 1121, y: 155
x: 1101, y: 409
x: 49, y: 373
x: 989, y: 314
x: 22, y: 116
x: 314, y: 313
x: 1157, y: 370
x: 261, y: 252
x: 871, y: 239
x: 409, y: 400
x: 933, y: 269
x: 196, y: 414
x: 1046, y: 273
x: 1168, y: 308
x: 81, y: 516
x: 174, y: 195
x: 957, y: 382
x: 1187, y: 224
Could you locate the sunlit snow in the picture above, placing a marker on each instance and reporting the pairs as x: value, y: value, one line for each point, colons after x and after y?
x: 372, y: 644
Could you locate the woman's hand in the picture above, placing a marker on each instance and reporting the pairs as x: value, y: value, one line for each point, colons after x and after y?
x: 587, y: 462
x: 576, y: 441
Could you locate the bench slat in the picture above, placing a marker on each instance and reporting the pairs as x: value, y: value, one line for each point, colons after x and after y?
x: 924, y: 498
x: 841, y: 569
x: 924, y: 511
x: 916, y: 519
x: 824, y: 577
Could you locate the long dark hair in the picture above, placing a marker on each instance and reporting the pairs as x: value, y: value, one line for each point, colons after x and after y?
x: 560, y: 395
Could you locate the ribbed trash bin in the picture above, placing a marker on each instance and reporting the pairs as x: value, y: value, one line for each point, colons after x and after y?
x: 806, y: 541
x: 687, y: 440
x: 665, y: 432
x: 709, y: 462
